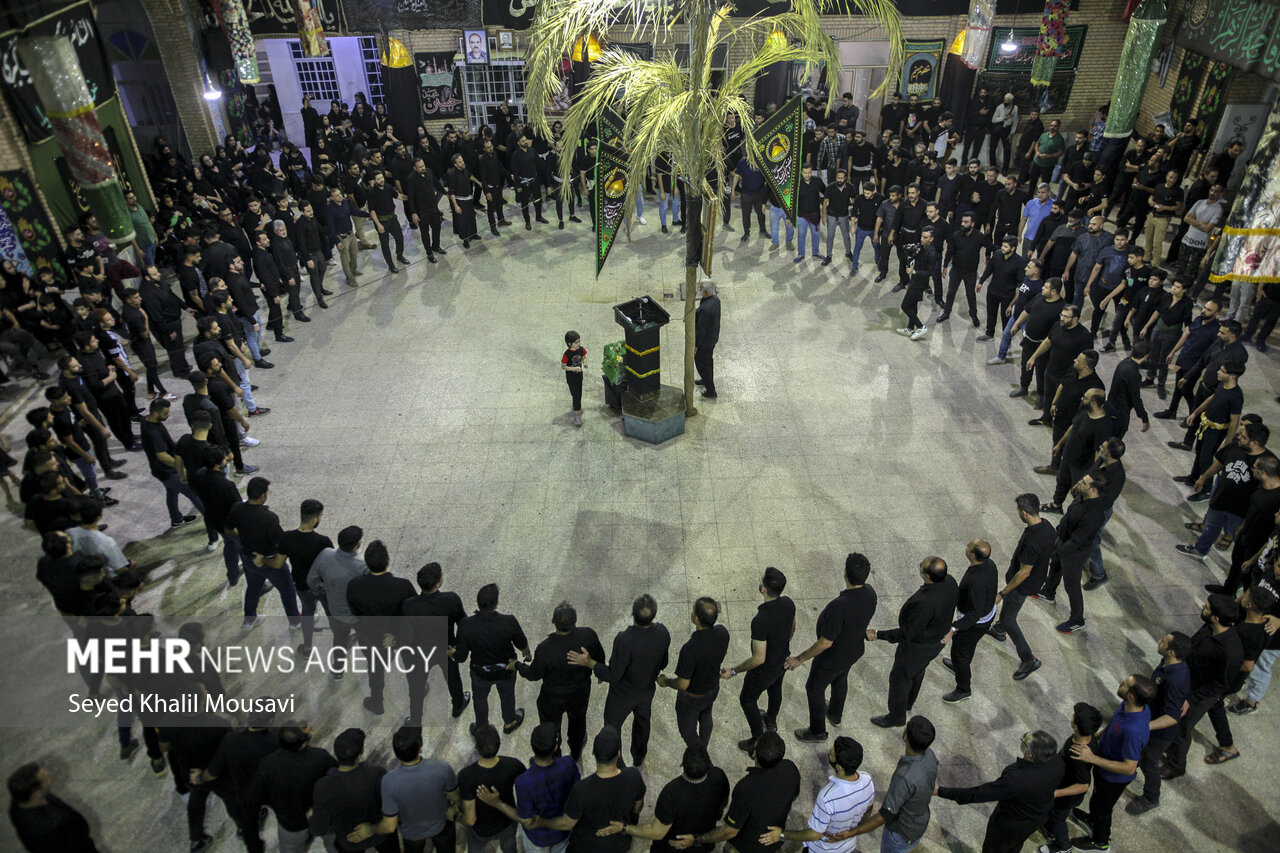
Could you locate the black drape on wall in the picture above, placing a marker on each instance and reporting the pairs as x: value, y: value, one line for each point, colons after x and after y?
x: 403, y: 108
x: 773, y: 86
x: 957, y: 83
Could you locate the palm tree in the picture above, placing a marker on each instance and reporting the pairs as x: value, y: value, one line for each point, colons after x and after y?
x: 670, y: 109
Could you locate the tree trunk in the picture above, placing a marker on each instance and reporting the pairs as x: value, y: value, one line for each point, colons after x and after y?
x: 692, y: 256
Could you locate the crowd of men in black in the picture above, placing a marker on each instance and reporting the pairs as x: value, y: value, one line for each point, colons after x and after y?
x: 235, y: 211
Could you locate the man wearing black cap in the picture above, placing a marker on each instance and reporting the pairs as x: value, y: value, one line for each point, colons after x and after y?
x: 492, y: 639
x: 639, y: 655
x: 842, y: 634
x: 610, y: 794
x: 697, y: 677
x: 923, y: 622
x: 771, y: 630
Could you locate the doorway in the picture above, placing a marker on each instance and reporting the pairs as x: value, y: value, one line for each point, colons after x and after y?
x: 864, y: 67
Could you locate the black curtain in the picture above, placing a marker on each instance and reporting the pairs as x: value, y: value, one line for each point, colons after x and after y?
x: 773, y: 86
x: 957, y: 85
x: 401, y: 96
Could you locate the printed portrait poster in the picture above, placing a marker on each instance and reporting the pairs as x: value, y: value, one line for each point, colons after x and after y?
x: 440, y: 85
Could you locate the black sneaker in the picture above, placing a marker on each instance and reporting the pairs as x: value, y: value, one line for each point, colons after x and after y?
x: 373, y: 706
x: 129, y: 750
x: 186, y: 519
x: 1047, y: 599
x: 747, y: 745
x: 1178, y: 445
x: 956, y: 696
x: 458, y: 709
x: 997, y: 633
x: 1166, y: 415
x: 949, y: 664
x: 1025, y: 669
x: 514, y: 724
x: 201, y: 843
x: 1081, y: 818
x: 1095, y: 582
x: 1070, y: 626
x: 1141, y: 805
x: 807, y: 736
x: 884, y: 721
x: 1202, y: 495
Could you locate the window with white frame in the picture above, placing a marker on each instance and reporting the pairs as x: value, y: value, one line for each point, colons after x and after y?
x: 487, y: 86
x: 317, y: 77
x: 372, y: 68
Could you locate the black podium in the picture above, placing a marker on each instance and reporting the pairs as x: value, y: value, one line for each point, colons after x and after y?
x: 642, y: 319
x: 651, y: 411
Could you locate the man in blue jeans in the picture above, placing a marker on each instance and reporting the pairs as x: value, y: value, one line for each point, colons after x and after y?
x: 778, y: 215
x: 258, y: 529
x: 1229, y: 501
x: 1109, y: 455
x: 865, y: 210
x: 166, y: 464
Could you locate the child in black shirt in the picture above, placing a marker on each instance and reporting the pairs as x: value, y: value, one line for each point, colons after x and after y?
x: 571, y: 363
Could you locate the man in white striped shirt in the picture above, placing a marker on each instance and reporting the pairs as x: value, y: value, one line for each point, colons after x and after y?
x: 840, y: 805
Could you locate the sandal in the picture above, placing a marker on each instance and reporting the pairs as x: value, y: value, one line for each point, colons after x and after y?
x: 1051, y: 508
x: 1224, y: 541
x: 1220, y: 756
x: 1194, y: 526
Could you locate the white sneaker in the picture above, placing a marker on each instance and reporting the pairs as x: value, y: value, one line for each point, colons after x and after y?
x: 643, y: 221
x: 995, y: 359
x: 904, y: 331
x: 249, y: 441
x: 212, y: 546
x: 918, y: 333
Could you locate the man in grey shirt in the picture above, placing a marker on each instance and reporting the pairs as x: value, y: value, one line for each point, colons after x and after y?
x: 1084, y: 254
x: 904, y: 814
x: 416, y: 798
x: 332, y: 570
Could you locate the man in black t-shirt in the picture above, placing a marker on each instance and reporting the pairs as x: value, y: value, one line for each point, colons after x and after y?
x: 808, y: 210
x: 433, y: 602
x: 491, y: 640
x: 1065, y: 341
x: 349, y: 795
x: 1258, y: 525
x: 697, y: 673
x: 761, y: 799
x: 166, y: 464
x: 841, y: 640
x: 1035, y: 321
x: 301, y: 547
x: 1232, y: 490
x: 41, y: 819
x: 483, y: 821
x: 611, y: 795
x: 1217, y: 418
x: 1028, y: 569
x: 1078, y: 447
x: 689, y: 804
x: 835, y: 205
x: 771, y: 630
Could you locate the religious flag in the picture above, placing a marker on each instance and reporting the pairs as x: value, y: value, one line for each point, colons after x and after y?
x: 310, y: 31
x: 778, y: 141
x: 609, y: 128
x: 608, y: 198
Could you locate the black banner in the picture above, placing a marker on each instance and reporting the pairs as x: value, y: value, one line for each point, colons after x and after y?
x: 371, y: 16
x: 440, y: 85
x: 1051, y: 101
x: 276, y: 17
x: 511, y: 14
x: 77, y: 23
x: 31, y: 227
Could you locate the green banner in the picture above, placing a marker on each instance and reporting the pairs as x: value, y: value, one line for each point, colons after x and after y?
x: 1243, y: 33
x: 608, y: 198
x: 609, y: 128
x: 778, y: 141
x: 1135, y: 67
x: 921, y: 69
